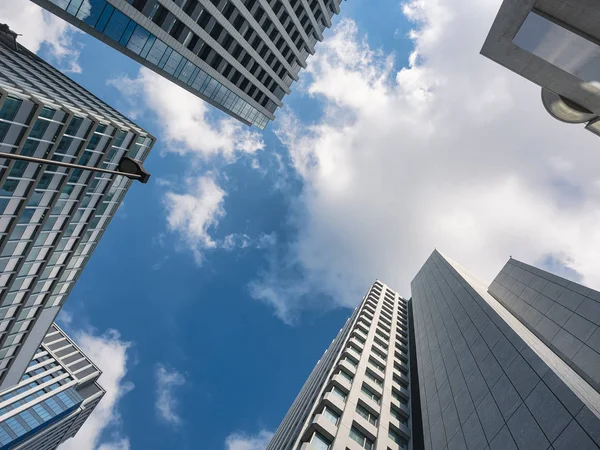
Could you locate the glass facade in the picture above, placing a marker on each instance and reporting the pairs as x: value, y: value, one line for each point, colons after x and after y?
x: 115, y: 25
x: 47, y: 378
x: 52, y: 217
x: 560, y: 47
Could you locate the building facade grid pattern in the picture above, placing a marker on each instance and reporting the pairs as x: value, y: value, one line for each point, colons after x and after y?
x: 51, y: 218
x: 362, y: 399
x: 481, y: 385
x: 563, y: 314
x: 239, y: 55
x: 56, y: 395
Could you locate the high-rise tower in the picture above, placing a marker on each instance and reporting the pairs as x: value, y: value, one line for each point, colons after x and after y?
x: 239, y: 55
x: 51, y: 217
x: 55, y: 396
x: 358, y: 395
x: 515, y: 366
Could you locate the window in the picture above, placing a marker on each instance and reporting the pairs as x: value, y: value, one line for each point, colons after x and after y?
x: 369, y: 393
x: 383, y: 335
x: 376, y: 365
x: 331, y: 415
x: 397, y: 439
x: 364, y: 412
x: 397, y: 396
x: 361, y: 439
x: 346, y: 375
x: 354, y: 349
x: 396, y: 414
x: 558, y: 46
x: 379, y: 353
x: 350, y: 361
x: 319, y: 442
x: 339, y: 393
x: 381, y: 343
x: 371, y: 376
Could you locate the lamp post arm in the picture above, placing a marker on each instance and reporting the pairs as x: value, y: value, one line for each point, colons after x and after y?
x: 33, y: 159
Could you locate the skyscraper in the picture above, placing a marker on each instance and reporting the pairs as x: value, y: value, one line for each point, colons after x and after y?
x: 239, y: 55
x: 555, y: 44
x: 485, y: 379
x: 55, y: 396
x: 511, y: 367
x: 51, y: 217
x: 358, y: 395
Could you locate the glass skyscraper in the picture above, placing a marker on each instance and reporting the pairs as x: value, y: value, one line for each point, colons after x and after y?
x: 55, y: 396
x: 239, y: 55
x: 512, y: 366
x: 51, y: 217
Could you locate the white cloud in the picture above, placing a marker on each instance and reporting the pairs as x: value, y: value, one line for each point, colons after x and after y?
x: 109, y: 353
x: 184, y: 120
x: 193, y: 213
x: 452, y: 151
x: 242, y: 441
x: 65, y: 318
x: 167, y: 380
x: 38, y: 27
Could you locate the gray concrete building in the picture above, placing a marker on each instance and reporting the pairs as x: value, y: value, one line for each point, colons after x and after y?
x: 512, y: 366
x: 358, y: 394
x: 51, y: 217
x: 486, y: 381
x: 555, y: 44
x: 239, y: 55
x: 55, y: 396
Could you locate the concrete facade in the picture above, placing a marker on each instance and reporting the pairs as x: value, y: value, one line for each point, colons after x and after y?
x: 51, y: 218
x: 239, y: 55
x: 485, y: 380
x: 358, y: 395
x: 563, y: 314
x: 555, y: 44
x: 57, y: 393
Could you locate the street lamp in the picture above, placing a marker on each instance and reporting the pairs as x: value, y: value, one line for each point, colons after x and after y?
x: 127, y: 167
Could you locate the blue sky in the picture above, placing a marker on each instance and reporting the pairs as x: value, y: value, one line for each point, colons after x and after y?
x: 219, y: 284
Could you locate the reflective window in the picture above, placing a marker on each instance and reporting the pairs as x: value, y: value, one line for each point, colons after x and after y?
x: 331, y: 415
x: 345, y: 375
x: 361, y: 439
x: 9, y: 108
x: 369, y: 393
x: 116, y: 25
x: 364, y: 412
x: 318, y: 442
x: 339, y: 393
x: 138, y: 39
x: 397, y: 439
x: 560, y: 47
x: 90, y: 11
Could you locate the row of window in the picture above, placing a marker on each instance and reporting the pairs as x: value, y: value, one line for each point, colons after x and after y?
x: 162, y: 17
x: 119, y: 28
x: 47, y: 83
x: 29, y: 220
x: 320, y: 442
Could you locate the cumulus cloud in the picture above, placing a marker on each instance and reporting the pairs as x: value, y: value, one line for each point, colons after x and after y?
x: 450, y: 151
x: 110, y: 353
x: 185, y: 122
x: 243, y: 441
x: 167, y: 380
x: 194, y: 212
x: 38, y: 28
